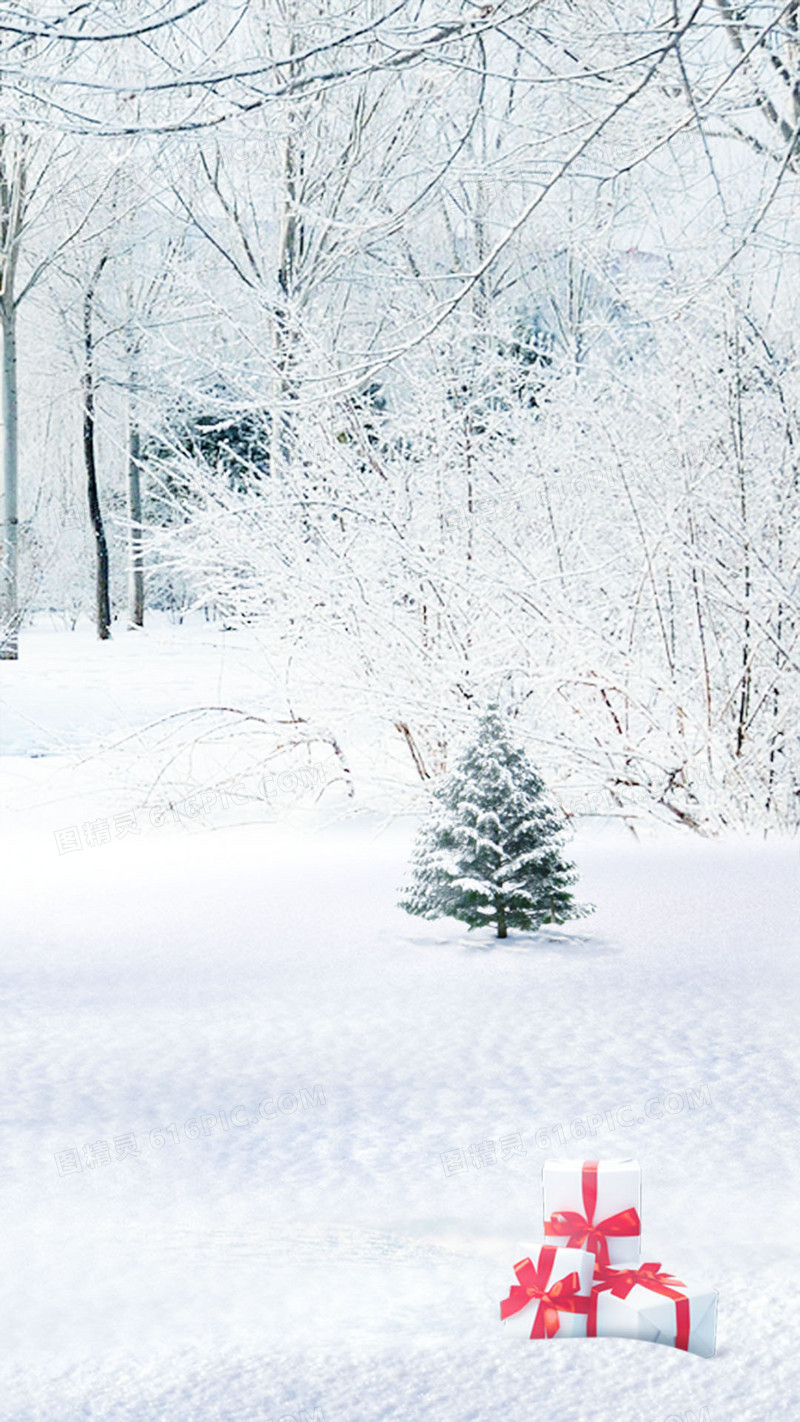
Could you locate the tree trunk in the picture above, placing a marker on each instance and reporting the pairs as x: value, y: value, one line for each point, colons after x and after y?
x: 739, y: 452
x: 9, y: 646
x: 290, y: 259
x: 502, y: 931
x: 103, y: 606
x: 12, y: 204
x: 136, y: 591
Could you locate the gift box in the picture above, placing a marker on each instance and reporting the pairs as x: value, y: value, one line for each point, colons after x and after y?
x: 594, y: 1205
x: 639, y: 1301
x: 551, y: 1296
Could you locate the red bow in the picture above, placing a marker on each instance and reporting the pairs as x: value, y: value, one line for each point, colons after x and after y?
x: 621, y: 1281
x: 582, y: 1230
x: 533, y: 1281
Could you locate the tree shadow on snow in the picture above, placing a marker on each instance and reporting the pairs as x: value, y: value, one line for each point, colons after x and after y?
x: 545, y: 942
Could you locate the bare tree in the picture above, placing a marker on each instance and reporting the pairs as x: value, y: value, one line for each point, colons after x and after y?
x: 13, y: 174
x: 102, y: 600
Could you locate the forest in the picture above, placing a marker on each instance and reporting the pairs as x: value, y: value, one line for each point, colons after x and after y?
x: 453, y: 347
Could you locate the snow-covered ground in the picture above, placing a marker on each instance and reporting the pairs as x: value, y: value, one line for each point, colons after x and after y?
x: 306, y: 1089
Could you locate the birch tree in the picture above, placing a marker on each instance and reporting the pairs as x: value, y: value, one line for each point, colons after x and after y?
x: 13, y: 173
x: 36, y: 173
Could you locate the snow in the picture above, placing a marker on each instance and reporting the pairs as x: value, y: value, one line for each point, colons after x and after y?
x: 320, y: 1261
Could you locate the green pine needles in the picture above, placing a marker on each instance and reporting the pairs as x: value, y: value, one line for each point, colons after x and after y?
x: 489, y: 851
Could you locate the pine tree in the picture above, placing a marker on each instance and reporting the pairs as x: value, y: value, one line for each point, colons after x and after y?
x: 490, y: 849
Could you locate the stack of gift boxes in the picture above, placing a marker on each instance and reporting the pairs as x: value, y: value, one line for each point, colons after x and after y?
x: 588, y: 1280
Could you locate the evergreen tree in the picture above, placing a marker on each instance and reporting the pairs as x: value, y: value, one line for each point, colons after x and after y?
x: 490, y: 850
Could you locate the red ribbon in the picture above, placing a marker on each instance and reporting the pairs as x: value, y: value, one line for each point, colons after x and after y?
x: 533, y: 1284
x: 620, y: 1282
x: 582, y: 1231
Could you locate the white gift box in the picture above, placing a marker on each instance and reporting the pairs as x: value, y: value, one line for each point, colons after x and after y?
x: 562, y: 1263
x: 622, y: 1318
x: 659, y: 1313
x: 582, y: 1195
x: 650, y: 1316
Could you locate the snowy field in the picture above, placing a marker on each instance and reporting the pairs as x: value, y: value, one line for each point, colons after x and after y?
x: 315, y: 1126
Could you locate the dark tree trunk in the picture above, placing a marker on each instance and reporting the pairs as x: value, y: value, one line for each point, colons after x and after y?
x: 9, y: 611
x: 136, y: 610
x: 103, y: 605
x: 502, y: 931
